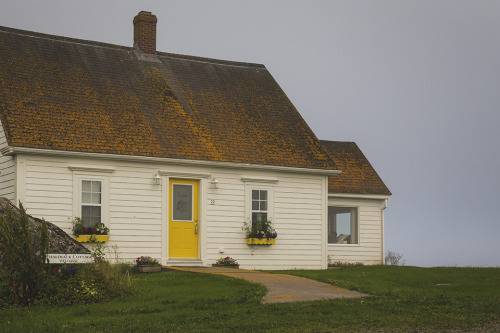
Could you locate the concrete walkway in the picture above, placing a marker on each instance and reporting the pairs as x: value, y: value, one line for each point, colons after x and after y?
x: 281, y: 288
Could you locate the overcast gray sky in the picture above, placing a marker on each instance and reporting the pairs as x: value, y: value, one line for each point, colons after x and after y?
x: 416, y: 84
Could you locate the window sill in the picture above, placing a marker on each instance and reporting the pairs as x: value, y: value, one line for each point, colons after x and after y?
x: 92, y: 238
x: 260, y: 241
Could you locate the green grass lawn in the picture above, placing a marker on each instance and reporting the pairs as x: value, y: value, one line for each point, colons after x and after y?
x: 404, y: 299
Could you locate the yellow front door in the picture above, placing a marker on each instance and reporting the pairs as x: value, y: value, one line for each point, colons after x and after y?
x: 183, y: 218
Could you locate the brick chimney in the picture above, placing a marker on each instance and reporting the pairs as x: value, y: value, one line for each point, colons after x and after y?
x: 145, y: 32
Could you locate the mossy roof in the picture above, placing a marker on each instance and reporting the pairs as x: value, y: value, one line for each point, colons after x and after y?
x: 67, y: 94
x: 358, y: 176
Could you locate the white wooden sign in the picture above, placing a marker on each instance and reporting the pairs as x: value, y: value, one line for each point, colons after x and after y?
x: 69, y: 258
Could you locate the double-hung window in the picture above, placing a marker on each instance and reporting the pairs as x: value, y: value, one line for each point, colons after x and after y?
x: 91, y: 202
x: 342, y: 225
x: 260, y: 206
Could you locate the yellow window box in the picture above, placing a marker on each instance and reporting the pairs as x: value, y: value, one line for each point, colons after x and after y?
x: 92, y: 238
x: 261, y: 241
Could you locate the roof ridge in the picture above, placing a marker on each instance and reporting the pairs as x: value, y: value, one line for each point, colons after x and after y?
x: 34, y: 34
x: 336, y: 141
x: 211, y: 60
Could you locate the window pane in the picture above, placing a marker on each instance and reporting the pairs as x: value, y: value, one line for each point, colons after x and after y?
x: 258, y: 217
x: 86, y: 215
x: 91, y: 191
x: 96, y: 198
x: 86, y: 186
x: 263, y: 205
x: 86, y: 197
x: 96, y: 186
x: 182, y: 202
x: 255, y: 195
x: 263, y: 195
x: 91, y: 215
x: 342, y: 225
x: 95, y: 214
x: 255, y: 205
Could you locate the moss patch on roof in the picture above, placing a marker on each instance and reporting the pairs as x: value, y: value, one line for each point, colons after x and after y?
x: 74, y: 95
x: 358, y: 176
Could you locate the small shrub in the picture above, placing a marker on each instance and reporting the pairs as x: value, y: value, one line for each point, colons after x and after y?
x: 344, y: 264
x: 87, y: 283
x: 395, y: 259
x: 98, y: 252
x: 23, y: 264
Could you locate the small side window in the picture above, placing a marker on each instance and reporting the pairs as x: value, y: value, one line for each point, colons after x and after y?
x: 342, y: 225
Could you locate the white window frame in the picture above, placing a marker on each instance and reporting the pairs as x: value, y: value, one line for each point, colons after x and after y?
x: 78, y: 177
x: 259, y: 200
x: 357, y: 233
x: 248, y: 201
x: 82, y: 204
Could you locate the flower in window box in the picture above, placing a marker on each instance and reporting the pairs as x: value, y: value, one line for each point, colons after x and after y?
x: 260, y: 230
x: 80, y: 229
x: 96, y: 233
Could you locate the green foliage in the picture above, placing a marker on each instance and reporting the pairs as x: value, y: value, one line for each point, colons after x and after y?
x: 226, y: 261
x: 260, y: 229
x: 29, y: 279
x: 88, y: 283
x: 147, y: 260
x: 79, y: 228
x: 98, y: 252
x: 23, y: 263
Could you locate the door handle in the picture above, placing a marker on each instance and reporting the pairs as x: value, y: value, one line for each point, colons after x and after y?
x: 196, y: 226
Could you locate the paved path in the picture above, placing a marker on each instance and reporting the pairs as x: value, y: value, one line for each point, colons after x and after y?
x: 281, y: 288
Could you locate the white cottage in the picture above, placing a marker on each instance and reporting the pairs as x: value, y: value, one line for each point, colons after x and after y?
x: 175, y: 153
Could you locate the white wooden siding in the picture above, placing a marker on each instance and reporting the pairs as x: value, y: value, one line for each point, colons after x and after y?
x: 369, y: 250
x: 7, y: 169
x: 137, y: 216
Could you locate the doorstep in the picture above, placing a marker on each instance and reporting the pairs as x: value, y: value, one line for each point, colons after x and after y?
x: 185, y: 262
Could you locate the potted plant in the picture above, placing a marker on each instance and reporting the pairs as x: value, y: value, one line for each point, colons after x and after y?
x: 260, y: 233
x: 146, y: 264
x: 95, y: 233
x: 226, y: 262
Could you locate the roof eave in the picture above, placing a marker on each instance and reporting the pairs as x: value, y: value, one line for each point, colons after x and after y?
x: 359, y: 196
x: 10, y: 150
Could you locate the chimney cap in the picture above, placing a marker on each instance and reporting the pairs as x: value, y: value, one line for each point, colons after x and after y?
x: 145, y: 16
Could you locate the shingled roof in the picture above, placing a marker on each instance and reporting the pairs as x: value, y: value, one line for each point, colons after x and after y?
x: 68, y: 94
x: 358, y: 176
